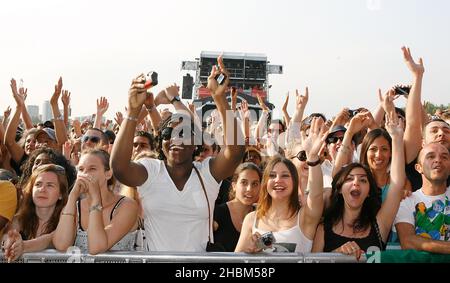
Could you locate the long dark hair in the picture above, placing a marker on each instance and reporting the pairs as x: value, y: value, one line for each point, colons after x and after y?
x: 368, y: 140
x: 26, y: 216
x: 55, y: 158
x: 370, y: 207
x: 265, y: 200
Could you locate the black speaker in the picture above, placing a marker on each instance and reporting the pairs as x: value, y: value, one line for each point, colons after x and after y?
x: 188, y: 83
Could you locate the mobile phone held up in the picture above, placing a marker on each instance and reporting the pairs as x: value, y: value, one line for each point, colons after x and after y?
x: 220, y: 78
x: 402, y: 90
x: 151, y: 79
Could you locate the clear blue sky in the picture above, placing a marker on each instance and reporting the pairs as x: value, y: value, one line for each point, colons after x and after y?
x: 342, y: 50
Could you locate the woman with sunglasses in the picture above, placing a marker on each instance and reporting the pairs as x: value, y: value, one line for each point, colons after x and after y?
x: 177, y: 193
x: 96, y: 219
x: 44, y: 197
x: 279, y: 211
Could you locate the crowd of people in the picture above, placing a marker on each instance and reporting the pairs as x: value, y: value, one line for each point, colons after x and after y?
x: 160, y: 180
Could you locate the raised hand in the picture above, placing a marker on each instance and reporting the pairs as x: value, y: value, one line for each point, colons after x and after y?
x: 261, y: 103
x: 244, y: 109
x: 213, y: 86
x: 6, y: 113
x: 416, y: 68
x: 137, y: 94
x: 166, y: 95
x: 342, y: 117
x: 301, y: 100
x: 286, y: 103
x: 20, y: 101
x: 23, y: 92
x: 65, y: 98
x: 57, y: 92
x: 119, y: 118
x: 316, y: 138
x: 102, y: 106
x: 358, y: 122
x: 387, y: 100
x: 394, y: 126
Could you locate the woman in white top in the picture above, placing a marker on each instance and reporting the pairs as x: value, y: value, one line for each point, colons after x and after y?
x: 279, y: 210
x: 102, y: 220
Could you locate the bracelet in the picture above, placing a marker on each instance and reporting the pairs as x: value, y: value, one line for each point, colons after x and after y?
x: 313, y: 163
x: 60, y: 118
x: 150, y: 108
x: 131, y: 118
x: 66, y: 213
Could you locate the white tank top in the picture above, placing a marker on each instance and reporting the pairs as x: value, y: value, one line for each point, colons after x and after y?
x: 290, y: 240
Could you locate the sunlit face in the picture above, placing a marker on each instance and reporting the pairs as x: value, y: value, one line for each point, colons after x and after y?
x: 299, y: 161
x: 356, y: 188
x: 437, y: 132
x: 41, y: 159
x: 280, y: 183
x: 179, y: 146
x: 247, y: 187
x: 333, y: 147
x: 30, y: 144
x: 46, y: 190
x: 140, y: 144
x: 91, y: 139
x: 43, y: 140
x: 434, y: 163
x: 93, y: 166
x: 379, y: 154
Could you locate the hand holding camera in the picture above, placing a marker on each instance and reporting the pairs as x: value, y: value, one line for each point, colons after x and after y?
x: 265, y: 241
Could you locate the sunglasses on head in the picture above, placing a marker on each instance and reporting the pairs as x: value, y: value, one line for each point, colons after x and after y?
x: 334, y: 139
x: 301, y: 155
x: 92, y: 139
x: 166, y: 134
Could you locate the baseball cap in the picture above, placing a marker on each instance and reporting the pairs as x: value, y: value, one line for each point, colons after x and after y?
x: 49, y: 132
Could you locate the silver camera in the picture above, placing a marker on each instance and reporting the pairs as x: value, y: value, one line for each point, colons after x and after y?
x: 266, y: 241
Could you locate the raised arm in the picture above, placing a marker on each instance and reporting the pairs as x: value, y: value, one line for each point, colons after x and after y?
x: 296, y: 121
x: 261, y: 128
x: 229, y: 158
x: 6, y: 115
x: 287, y: 118
x: 314, y: 203
x: 126, y: 171
x: 102, y: 107
x: 25, y: 115
x: 15, y: 150
x: 389, y: 208
x: 155, y: 118
x: 413, y: 108
x: 65, y: 98
x: 60, y: 127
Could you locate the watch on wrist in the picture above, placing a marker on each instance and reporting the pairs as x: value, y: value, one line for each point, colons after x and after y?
x: 175, y: 98
x: 96, y: 207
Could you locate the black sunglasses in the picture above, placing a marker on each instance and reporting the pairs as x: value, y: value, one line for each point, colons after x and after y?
x: 334, y: 139
x: 92, y: 139
x: 166, y: 134
x: 301, y: 155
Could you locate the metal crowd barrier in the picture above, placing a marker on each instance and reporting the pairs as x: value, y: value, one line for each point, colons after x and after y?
x: 53, y: 256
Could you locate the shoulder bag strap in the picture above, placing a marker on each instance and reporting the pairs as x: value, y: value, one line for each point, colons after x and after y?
x: 207, y: 201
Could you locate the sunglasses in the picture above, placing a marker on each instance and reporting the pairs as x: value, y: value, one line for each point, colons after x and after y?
x: 334, y: 139
x: 92, y: 139
x: 166, y: 134
x: 301, y: 155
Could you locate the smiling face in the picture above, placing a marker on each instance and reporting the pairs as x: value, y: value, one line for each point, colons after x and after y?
x: 355, y: 188
x: 247, y: 187
x: 178, y: 143
x: 30, y: 144
x: 280, y: 183
x: 434, y: 163
x: 437, y: 132
x: 333, y: 147
x: 46, y: 190
x: 379, y: 154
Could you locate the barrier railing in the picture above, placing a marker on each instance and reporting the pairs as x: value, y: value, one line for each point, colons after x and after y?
x: 53, y: 256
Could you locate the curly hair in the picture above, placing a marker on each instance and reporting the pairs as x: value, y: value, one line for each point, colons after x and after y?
x: 55, y: 158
